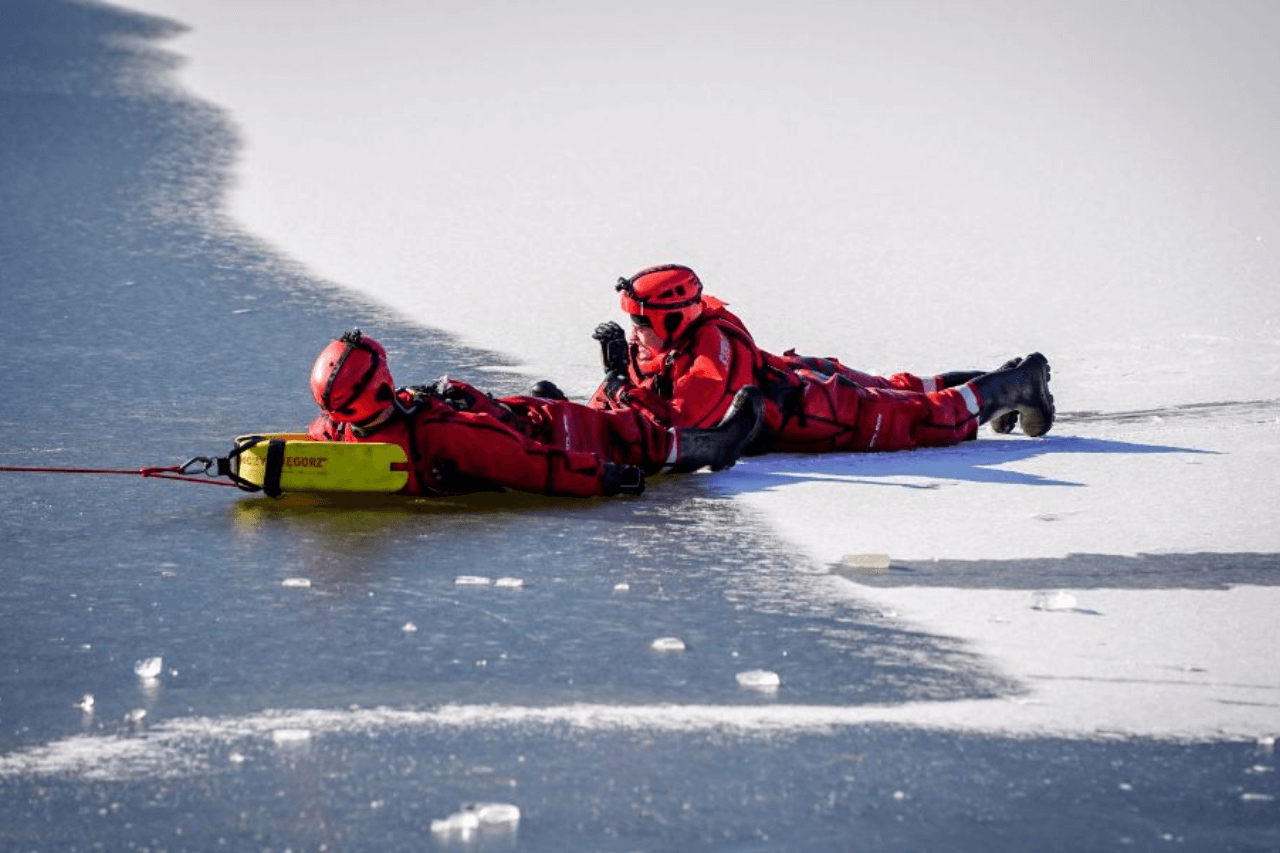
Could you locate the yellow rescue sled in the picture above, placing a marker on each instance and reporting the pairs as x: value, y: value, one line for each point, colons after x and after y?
x: 291, y: 462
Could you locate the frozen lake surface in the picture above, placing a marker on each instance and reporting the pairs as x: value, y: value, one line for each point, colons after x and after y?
x: 1069, y: 648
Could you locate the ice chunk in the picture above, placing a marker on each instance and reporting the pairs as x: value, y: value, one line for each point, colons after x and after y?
x: 622, y: 586
x: 296, y: 583
x: 409, y: 627
x: 759, y: 679
x: 668, y: 644
x: 471, y: 580
x: 86, y: 703
x: 866, y: 562
x: 473, y: 816
x: 135, y: 716
x: 464, y: 822
x: 497, y: 815
x: 509, y: 583
x: 1056, y: 599
x: 148, y: 667
x: 283, y: 736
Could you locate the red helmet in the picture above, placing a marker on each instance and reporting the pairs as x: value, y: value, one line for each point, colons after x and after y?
x: 350, y: 380
x: 667, y: 298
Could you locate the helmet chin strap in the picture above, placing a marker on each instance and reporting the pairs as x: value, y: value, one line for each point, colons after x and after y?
x: 373, y: 424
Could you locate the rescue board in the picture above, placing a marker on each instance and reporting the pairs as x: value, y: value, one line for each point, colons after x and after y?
x: 276, y: 463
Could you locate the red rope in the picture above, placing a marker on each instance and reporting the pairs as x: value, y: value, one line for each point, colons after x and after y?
x: 172, y: 472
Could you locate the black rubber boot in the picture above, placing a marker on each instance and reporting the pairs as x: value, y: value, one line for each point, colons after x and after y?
x: 952, y: 378
x: 719, y: 447
x: 1005, y: 423
x: 621, y: 480
x: 1022, y: 389
x: 1001, y: 423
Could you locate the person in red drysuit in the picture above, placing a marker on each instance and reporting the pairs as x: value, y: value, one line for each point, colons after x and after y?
x: 688, y: 354
x: 459, y: 439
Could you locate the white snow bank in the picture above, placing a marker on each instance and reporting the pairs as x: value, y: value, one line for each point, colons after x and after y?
x: 1187, y: 480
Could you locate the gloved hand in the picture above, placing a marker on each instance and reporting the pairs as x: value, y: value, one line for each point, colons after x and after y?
x: 455, y: 396
x: 613, y: 347
x: 622, y: 480
x: 615, y: 389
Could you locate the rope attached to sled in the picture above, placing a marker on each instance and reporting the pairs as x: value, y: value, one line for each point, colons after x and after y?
x: 277, y: 463
x: 184, y: 472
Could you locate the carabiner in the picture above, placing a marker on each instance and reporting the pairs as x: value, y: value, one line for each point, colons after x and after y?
x: 198, y: 465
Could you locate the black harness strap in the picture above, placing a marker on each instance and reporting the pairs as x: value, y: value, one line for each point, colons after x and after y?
x: 229, y: 466
x: 274, y: 468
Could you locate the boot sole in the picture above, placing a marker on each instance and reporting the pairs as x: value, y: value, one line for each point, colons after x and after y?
x: 1038, y: 420
x: 1005, y: 423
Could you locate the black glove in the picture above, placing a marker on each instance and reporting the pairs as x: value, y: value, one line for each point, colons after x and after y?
x: 613, y: 347
x: 615, y: 389
x: 454, y: 396
x: 622, y: 480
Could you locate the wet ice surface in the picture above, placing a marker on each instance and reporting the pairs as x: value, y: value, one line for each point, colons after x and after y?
x: 317, y: 718
x: 370, y: 781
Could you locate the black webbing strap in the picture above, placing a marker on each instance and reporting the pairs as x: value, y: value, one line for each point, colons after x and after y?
x: 229, y: 466
x: 275, y: 467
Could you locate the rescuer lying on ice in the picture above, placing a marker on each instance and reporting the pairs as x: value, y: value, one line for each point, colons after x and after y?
x: 688, y: 355
x: 458, y: 439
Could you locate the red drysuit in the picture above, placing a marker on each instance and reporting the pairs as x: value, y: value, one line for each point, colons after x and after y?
x: 460, y: 440
x: 812, y: 404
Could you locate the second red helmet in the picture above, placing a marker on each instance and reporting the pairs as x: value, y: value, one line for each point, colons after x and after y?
x: 351, y: 381
x: 667, y: 297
